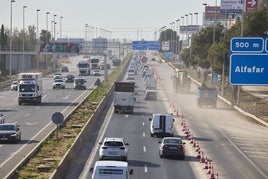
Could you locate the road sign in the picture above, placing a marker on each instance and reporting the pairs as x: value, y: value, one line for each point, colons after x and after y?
x: 57, y: 118
x: 247, y: 44
x: 165, y: 45
x: 249, y: 69
x: 251, y: 5
x: 145, y: 45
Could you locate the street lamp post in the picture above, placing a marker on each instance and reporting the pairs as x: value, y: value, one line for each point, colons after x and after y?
x: 10, y: 48
x: 61, y: 26
x: 47, y: 13
x: 177, y: 30
x: 186, y: 15
x: 37, y: 32
x: 54, y: 26
x: 23, y: 35
x: 196, y: 13
x: 204, y: 16
x: 191, y: 14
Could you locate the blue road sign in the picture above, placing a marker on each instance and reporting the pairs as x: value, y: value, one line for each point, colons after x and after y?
x: 153, y: 45
x: 139, y: 45
x: 145, y: 45
x: 249, y: 69
x: 247, y: 44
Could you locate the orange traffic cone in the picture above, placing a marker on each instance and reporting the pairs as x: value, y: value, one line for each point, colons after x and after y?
x: 202, y: 160
x: 198, y: 153
x: 212, y: 173
x: 209, y: 168
x: 206, y: 163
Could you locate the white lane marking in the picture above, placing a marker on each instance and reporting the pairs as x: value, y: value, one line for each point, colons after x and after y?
x: 2, y: 97
x: 26, y: 115
x: 37, y: 108
x: 21, y: 148
x: 145, y: 169
x: 66, y: 97
x: 30, y: 124
x: 143, y: 123
x: 244, y: 155
x: 144, y: 149
x: 44, y: 96
x: 143, y: 134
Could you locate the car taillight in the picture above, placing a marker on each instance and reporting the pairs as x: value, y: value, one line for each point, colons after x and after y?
x: 104, y: 147
x: 164, y: 147
x: 122, y: 148
x: 180, y: 147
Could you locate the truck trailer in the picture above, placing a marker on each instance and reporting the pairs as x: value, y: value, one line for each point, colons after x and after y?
x: 30, y: 88
x: 124, y: 97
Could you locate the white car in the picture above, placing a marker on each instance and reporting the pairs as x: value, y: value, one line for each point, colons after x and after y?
x: 58, y: 83
x: 96, y: 72
x: 113, y: 148
x: 14, y: 85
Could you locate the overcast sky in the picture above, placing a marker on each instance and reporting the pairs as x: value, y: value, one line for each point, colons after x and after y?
x: 132, y: 19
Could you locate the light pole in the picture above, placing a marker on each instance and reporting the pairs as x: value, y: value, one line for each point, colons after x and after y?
x: 204, y: 16
x: 196, y: 13
x: 186, y: 15
x: 23, y: 35
x: 214, y: 26
x: 10, y: 48
x: 178, y: 21
x: 37, y: 32
x: 47, y: 13
x: 60, y: 26
x: 191, y: 14
x: 54, y: 26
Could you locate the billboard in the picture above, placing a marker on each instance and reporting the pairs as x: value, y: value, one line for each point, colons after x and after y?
x: 189, y: 29
x: 231, y: 6
x: 60, y: 47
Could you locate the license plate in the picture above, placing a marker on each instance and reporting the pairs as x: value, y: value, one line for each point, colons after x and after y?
x: 4, y: 138
x: 173, y: 148
x: 112, y: 153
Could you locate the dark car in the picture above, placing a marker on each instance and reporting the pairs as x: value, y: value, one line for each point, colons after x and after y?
x: 69, y: 78
x: 172, y: 147
x: 10, y: 132
x: 64, y: 69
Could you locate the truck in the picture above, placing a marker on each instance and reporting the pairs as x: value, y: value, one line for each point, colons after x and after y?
x: 94, y: 62
x: 207, y: 96
x: 161, y: 124
x: 80, y: 83
x: 181, y: 82
x: 83, y: 67
x: 124, y: 97
x: 150, y: 83
x: 30, y: 88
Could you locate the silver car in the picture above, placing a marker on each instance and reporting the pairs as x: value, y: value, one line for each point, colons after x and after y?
x: 113, y: 148
x: 172, y: 147
x: 58, y: 83
x: 10, y: 132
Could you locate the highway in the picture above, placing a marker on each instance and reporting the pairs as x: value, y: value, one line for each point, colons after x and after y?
x: 35, y: 121
x: 237, y: 147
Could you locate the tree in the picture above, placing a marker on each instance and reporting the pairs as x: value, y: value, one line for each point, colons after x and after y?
x: 3, y: 44
x: 45, y: 36
x: 173, y: 38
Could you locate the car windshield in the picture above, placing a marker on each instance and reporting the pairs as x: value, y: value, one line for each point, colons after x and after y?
x: 58, y: 80
x: 113, y: 143
x: 27, y: 88
x: 7, y: 127
x: 172, y: 141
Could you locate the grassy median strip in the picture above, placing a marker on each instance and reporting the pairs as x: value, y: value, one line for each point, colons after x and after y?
x: 46, y: 160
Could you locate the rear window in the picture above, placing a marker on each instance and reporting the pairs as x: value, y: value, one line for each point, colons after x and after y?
x: 106, y: 171
x: 113, y: 143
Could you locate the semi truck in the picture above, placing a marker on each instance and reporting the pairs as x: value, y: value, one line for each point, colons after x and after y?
x: 94, y: 62
x: 207, y: 96
x: 124, y: 97
x: 181, y: 82
x: 83, y: 67
x: 30, y: 88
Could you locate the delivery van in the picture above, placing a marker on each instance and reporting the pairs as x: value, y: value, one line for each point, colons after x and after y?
x: 161, y: 125
x: 108, y: 169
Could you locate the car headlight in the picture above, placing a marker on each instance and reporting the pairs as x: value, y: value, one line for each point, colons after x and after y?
x: 13, y: 134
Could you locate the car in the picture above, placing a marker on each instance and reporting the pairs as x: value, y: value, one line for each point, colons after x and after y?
x: 150, y: 95
x: 2, y: 118
x: 69, y: 78
x: 57, y: 76
x: 113, y: 148
x: 14, y: 85
x: 58, y: 83
x: 10, y: 132
x: 96, y: 72
x: 64, y: 69
x: 153, y: 59
x: 172, y: 147
x: 80, y: 83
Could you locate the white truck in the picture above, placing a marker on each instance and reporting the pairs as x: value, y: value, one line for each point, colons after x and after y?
x: 161, y: 124
x: 124, y: 97
x: 83, y: 67
x: 94, y: 62
x: 30, y: 88
x: 150, y: 83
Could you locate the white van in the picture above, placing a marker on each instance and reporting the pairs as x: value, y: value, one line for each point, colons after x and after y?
x: 109, y: 169
x: 161, y: 125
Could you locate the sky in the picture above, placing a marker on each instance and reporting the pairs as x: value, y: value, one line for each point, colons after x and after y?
x: 130, y: 19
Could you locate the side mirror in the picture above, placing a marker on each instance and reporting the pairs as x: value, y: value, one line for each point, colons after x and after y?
x: 91, y: 170
x: 173, y: 120
x: 150, y: 119
x: 159, y: 142
x: 134, y: 99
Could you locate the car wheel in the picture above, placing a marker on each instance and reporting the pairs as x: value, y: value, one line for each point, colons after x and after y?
x: 161, y: 156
